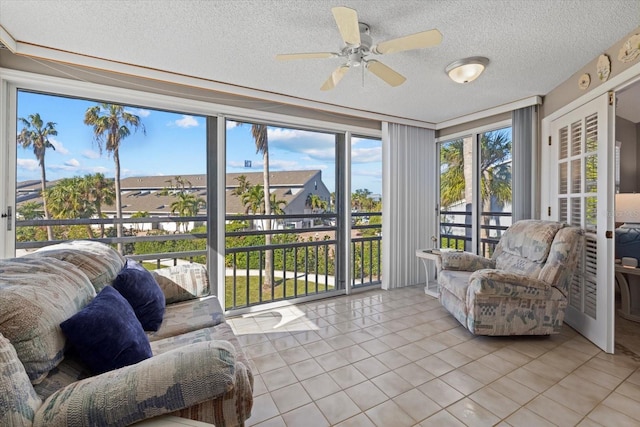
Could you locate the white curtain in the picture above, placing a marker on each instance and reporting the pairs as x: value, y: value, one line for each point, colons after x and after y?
x: 409, y: 202
x: 524, y: 125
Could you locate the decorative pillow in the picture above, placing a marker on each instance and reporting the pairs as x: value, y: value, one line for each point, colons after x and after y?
x: 139, y: 287
x: 98, y: 261
x: 36, y: 294
x: 106, y: 334
x: 182, y: 282
x: 18, y: 400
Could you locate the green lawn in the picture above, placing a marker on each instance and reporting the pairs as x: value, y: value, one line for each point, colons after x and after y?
x: 254, y: 290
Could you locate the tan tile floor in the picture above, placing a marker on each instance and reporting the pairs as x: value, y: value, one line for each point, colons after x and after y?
x: 397, y: 358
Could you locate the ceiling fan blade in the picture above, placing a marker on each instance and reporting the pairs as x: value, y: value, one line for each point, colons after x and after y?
x: 390, y: 76
x: 310, y: 55
x: 347, y: 21
x: 414, y: 41
x: 335, y: 77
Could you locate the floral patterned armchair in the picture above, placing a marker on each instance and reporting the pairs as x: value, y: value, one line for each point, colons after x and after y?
x: 522, y: 289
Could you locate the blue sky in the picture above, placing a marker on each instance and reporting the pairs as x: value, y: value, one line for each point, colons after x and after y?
x: 174, y: 144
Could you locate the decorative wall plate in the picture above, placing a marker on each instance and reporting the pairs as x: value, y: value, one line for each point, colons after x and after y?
x: 603, y: 68
x: 584, y: 81
x: 630, y: 50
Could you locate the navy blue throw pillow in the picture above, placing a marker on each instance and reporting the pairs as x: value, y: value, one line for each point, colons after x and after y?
x: 142, y: 291
x: 106, y: 334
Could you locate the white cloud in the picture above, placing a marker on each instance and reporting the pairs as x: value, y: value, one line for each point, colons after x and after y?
x: 99, y: 169
x: 280, y: 134
x: 186, y: 122
x: 366, y: 155
x: 72, y: 163
x: 60, y: 149
x: 139, y: 112
x: 283, y: 165
x: 90, y: 154
x: 28, y: 164
x: 231, y: 124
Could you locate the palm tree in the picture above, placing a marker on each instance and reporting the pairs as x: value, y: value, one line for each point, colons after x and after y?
x: 100, y: 191
x: 253, y: 198
x: 315, y: 202
x: 187, y: 205
x: 277, y: 206
x: 139, y: 214
x: 30, y: 210
x: 35, y: 133
x: 110, y: 126
x: 243, y: 186
x: 68, y: 199
x: 495, y: 171
x: 259, y: 133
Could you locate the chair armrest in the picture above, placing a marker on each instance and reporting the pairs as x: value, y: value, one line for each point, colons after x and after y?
x: 464, y: 261
x: 162, y: 384
x: 182, y: 282
x: 502, y: 283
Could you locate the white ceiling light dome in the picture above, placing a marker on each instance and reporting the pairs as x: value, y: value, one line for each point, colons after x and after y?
x: 467, y: 70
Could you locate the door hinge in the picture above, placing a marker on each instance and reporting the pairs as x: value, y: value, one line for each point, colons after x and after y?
x: 9, y: 217
x: 549, y: 140
x: 549, y: 211
x: 609, y: 234
x: 611, y: 97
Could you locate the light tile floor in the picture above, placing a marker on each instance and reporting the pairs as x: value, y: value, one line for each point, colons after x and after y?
x: 397, y: 358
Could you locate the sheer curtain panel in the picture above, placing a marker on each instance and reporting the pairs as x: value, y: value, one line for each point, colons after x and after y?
x: 524, y: 124
x: 410, y: 180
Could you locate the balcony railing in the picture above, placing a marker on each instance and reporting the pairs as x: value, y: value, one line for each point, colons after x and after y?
x: 304, y: 257
x: 457, y: 235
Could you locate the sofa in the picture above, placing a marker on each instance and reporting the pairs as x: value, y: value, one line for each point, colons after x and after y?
x: 74, y: 351
x: 522, y: 290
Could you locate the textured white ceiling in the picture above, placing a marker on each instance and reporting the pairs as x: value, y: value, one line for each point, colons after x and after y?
x: 533, y: 45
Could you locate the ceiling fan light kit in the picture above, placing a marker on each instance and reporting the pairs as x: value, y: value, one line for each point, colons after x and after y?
x: 467, y: 70
x: 358, y: 45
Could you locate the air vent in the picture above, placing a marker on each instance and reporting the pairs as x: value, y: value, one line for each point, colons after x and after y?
x: 3, y: 46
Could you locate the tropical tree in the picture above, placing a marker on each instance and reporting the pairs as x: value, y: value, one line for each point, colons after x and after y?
x: 315, y: 202
x: 243, y: 186
x: 253, y: 199
x: 30, y: 210
x: 68, y: 199
x: 100, y: 191
x: 361, y: 201
x: 259, y: 133
x: 495, y: 171
x: 35, y: 133
x: 277, y: 205
x: 187, y: 205
x: 111, y: 124
x: 139, y: 214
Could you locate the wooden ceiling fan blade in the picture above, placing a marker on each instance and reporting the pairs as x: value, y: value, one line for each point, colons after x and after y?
x: 347, y: 22
x: 414, y: 41
x: 391, y: 77
x: 308, y: 55
x: 335, y: 77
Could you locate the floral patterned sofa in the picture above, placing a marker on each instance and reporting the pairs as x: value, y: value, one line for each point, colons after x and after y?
x: 522, y: 289
x: 195, y: 367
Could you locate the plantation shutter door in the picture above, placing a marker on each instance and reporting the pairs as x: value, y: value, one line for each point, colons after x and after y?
x: 582, y: 140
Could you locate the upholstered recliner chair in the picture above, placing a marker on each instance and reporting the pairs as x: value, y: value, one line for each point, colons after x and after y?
x: 522, y: 289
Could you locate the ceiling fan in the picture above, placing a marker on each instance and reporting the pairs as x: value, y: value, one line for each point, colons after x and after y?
x: 358, y: 45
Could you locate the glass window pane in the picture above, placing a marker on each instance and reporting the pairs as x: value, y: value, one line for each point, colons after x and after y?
x: 495, y: 187
x: 152, y: 170
x: 284, y: 245
x: 456, y: 197
x: 366, y: 211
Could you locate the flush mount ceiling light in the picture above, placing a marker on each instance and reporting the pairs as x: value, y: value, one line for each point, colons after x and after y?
x: 466, y: 70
